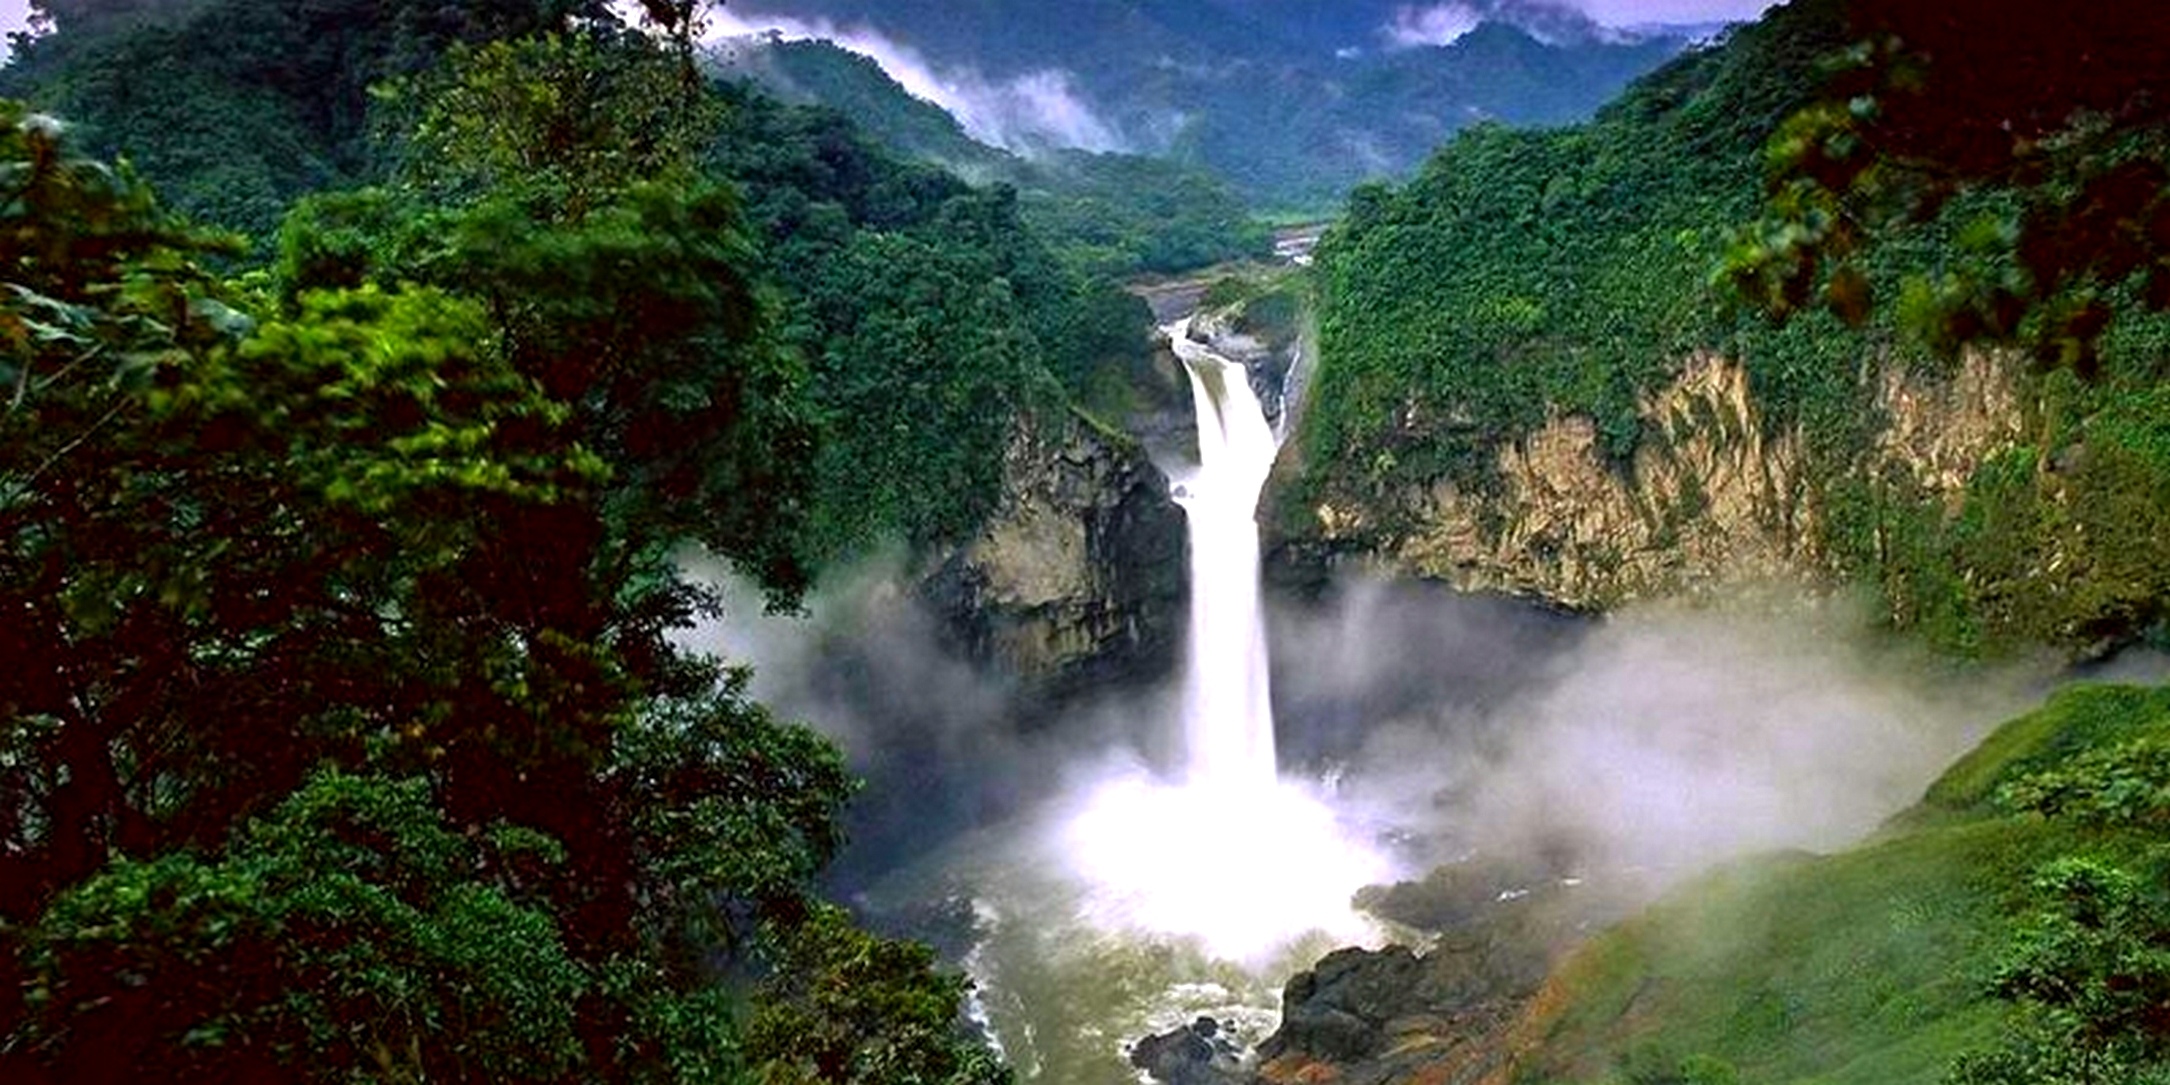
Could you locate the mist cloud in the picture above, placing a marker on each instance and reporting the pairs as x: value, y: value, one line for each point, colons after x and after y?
x: 1557, y: 22
x: 1029, y: 113
x: 1660, y: 739
x: 1436, y: 25
x: 1631, y: 13
x: 940, y: 740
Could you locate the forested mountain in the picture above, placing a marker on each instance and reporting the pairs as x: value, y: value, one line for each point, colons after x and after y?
x: 1292, y: 102
x: 1560, y: 294
x: 368, y: 366
x: 1874, y: 294
x: 1108, y: 214
x: 274, y: 103
x: 1092, y: 37
x: 344, y: 732
x: 238, y: 108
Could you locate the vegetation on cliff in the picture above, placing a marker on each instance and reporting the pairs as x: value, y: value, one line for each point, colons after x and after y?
x: 930, y: 312
x: 1288, y: 101
x: 2010, y: 928
x: 1529, y: 275
x: 344, y: 735
x: 1886, y: 186
x: 1107, y: 215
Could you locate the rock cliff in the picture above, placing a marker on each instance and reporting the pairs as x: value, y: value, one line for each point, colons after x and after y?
x: 1077, y: 580
x: 1714, y: 495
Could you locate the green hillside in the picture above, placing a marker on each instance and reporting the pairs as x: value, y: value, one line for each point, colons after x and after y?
x: 1107, y: 215
x: 344, y: 735
x: 1988, y: 929
x: 1524, y: 275
x: 1289, y: 101
x: 1832, y: 192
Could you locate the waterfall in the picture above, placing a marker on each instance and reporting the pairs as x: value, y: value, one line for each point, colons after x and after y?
x: 1227, y: 701
x: 1232, y: 855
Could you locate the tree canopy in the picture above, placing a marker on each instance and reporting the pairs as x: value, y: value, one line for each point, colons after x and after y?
x: 2060, y: 111
x: 343, y: 737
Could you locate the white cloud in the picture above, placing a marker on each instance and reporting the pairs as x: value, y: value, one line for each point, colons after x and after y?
x: 1658, y: 12
x: 14, y: 17
x: 1433, y: 25
x: 1030, y: 112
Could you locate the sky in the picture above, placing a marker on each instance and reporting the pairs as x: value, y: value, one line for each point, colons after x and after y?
x: 1639, y: 12
x: 14, y: 15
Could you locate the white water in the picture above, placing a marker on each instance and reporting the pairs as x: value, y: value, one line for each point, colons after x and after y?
x: 1227, y: 698
x: 1226, y: 853
x: 1140, y: 897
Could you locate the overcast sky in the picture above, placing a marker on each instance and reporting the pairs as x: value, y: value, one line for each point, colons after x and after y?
x: 1637, y: 12
x: 14, y: 15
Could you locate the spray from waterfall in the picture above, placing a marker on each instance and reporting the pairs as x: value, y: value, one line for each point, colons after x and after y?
x: 1221, y: 849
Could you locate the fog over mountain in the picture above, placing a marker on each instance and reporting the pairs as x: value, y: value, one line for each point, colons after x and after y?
x: 1293, y: 101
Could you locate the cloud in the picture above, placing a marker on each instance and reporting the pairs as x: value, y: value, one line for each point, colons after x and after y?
x: 1032, y: 112
x: 1658, y: 741
x: 14, y: 19
x: 1558, y: 22
x: 1625, y: 13
x: 1435, y: 25
x: 1661, y: 739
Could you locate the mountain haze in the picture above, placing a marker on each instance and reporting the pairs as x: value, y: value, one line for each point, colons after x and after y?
x: 1292, y: 101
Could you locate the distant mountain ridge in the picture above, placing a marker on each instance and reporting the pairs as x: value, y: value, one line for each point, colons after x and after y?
x: 1292, y: 101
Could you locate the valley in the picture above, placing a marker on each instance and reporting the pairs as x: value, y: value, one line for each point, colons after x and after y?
x: 1209, y: 542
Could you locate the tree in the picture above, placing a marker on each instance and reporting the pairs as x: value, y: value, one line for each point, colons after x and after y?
x: 2060, y: 110
x: 349, y: 930
x: 236, y: 107
x: 342, y: 735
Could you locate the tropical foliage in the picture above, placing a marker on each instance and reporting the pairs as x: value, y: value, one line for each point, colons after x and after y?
x: 343, y: 736
x: 1526, y: 275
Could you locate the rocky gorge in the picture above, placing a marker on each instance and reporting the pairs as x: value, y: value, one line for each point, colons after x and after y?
x: 1076, y: 581
x: 1714, y: 498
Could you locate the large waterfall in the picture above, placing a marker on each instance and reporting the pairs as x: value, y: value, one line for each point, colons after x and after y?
x: 1227, y: 702
x: 1223, y: 850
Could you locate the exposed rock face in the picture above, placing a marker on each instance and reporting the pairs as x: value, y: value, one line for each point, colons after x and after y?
x: 1941, y: 431
x: 1199, y: 1053
x: 1361, y: 1017
x: 1077, y: 580
x: 1713, y: 497
x: 1270, y: 359
x: 1444, y: 1016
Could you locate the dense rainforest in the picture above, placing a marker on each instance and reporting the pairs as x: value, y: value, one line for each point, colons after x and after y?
x: 369, y: 366
x: 1289, y: 101
x: 1827, y: 197
x: 1107, y: 214
x: 1529, y: 275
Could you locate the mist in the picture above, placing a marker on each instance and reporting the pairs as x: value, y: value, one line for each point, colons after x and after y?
x: 1662, y: 739
x: 1434, y: 25
x: 947, y: 746
x: 1027, y: 114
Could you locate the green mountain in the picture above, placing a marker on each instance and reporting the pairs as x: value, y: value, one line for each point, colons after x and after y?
x: 1883, y: 316
x: 370, y: 752
x: 1545, y: 312
x: 1109, y: 214
x: 2014, y: 902
x: 1291, y: 102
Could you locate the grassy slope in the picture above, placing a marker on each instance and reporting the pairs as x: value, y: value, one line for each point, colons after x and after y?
x: 1868, y: 967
